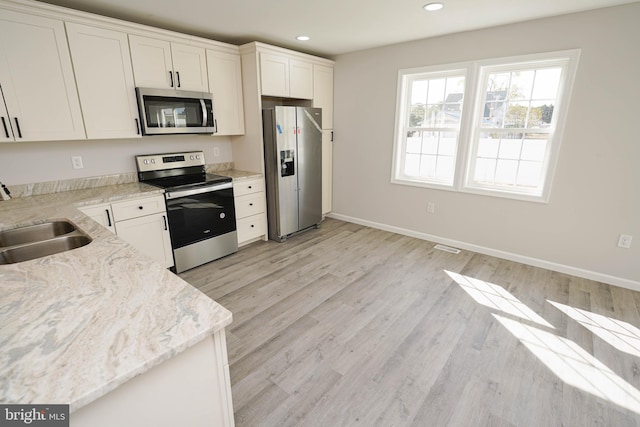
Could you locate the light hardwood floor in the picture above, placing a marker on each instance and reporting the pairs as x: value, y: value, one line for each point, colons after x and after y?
x: 352, y: 326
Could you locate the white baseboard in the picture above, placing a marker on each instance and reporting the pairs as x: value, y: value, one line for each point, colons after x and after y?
x: 536, y: 262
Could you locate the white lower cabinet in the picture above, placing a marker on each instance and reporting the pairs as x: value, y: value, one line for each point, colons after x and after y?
x: 141, y: 222
x: 150, y: 235
x: 191, y: 389
x: 250, y: 203
x: 101, y: 214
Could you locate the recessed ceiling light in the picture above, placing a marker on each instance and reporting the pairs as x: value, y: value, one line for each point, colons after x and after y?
x: 432, y: 7
x: 302, y: 38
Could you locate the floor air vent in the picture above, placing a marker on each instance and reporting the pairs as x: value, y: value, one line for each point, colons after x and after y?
x: 447, y: 249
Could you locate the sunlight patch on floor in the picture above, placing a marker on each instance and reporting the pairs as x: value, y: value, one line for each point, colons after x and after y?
x: 574, y: 366
x: 621, y: 335
x: 496, y: 297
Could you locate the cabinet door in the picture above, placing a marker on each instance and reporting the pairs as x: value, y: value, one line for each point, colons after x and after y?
x: 104, y: 76
x: 300, y: 79
x: 6, y: 133
x: 37, y: 79
x: 225, y: 83
x: 190, y: 67
x: 274, y: 75
x: 101, y: 214
x: 151, y: 60
x: 323, y: 93
x: 327, y: 171
x: 150, y: 235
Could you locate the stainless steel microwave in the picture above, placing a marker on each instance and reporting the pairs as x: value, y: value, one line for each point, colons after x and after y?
x: 168, y: 111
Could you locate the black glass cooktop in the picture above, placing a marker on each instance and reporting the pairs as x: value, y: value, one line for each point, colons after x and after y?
x: 187, y: 181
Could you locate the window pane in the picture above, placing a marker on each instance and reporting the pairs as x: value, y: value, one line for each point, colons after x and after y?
x: 540, y: 114
x: 516, y: 115
x: 485, y: 171
x: 428, y: 166
x: 416, y: 115
x: 412, y: 164
x: 445, y: 167
x: 447, y: 146
x: 506, y: 171
x: 534, y: 149
x: 510, y: 148
x: 419, y: 92
x: 434, y: 116
x: 488, y: 147
x: 529, y: 174
x: 498, y: 86
x: 436, y: 91
x: 414, y: 141
x: 521, y: 85
x: 430, y: 143
x: 546, y: 83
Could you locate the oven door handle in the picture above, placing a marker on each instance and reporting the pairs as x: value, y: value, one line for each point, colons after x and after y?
x: 183, y: 193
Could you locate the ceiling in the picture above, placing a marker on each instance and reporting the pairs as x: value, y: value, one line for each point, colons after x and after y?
x: 334, y: 26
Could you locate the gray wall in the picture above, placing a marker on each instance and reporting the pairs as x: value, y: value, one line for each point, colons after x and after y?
x: 595, y: 194
x: 28, y: 162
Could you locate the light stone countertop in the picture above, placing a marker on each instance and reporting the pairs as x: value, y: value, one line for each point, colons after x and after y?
x: 78, y: 324
x: 239, y: 175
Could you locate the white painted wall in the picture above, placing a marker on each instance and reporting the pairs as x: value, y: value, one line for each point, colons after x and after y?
x: 595, y: 194
x: 28, y: 162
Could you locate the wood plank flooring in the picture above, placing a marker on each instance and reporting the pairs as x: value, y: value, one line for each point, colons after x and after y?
x: 352, y: 326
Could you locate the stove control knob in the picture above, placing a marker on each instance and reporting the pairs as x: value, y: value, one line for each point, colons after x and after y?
x: 153, y: 161
x: 191, y: 157
x: 145, y: 161
x: 198, y: 156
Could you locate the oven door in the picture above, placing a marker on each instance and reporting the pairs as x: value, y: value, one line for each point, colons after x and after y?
x: 200, y: 214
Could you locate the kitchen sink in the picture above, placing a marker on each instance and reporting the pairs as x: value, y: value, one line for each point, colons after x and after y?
x: 35, y: 233
x: 40, y: 240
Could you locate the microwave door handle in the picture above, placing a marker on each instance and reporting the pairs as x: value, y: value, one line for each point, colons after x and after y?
x: 204, y: 113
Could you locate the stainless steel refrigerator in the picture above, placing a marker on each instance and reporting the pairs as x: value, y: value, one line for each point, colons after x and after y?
x: 293, y: 169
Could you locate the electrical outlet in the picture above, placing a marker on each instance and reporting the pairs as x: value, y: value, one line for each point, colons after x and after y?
x: 624, y: 241
x: 216, y: 152
x: 76, y: 162
x: 431, y: 207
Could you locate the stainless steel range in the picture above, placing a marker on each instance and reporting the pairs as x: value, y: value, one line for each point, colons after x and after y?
x: 200, y: 208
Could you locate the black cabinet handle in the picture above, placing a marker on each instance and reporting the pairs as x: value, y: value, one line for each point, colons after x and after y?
x: 171, y: 78
x: 140, y: 207
x: 250, y: 187
x: 252, y: 225
x: 164, y: 219
x: 250, y: 204
x: 108, y: 217
x: 178, y: 77
x: 137, y: 127
x: 4, y: 125
x: 18, y: 127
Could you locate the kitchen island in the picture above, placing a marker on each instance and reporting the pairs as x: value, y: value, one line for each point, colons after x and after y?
x: 92, y: 324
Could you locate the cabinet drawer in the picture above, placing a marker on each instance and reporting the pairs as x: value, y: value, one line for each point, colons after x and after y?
x: 138, y: 207
x: 249, y: 186
x: 248, y: 205
x: 251, y: 227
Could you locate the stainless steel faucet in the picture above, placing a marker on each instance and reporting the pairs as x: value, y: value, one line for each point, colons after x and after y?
x: 5, y: 194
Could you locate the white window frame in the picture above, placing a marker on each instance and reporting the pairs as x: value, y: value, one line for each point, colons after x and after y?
x: 405, y: 78
x: 476, y: 74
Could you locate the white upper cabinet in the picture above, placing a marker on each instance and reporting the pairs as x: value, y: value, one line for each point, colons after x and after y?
x: 300, y: 79
x: 285, y: 77
x: 164, y: 64
x: 37, y: 80
x: 104, y: 77
x: 225, y: 83
x: 6, y: 134
x: 323, y: 93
